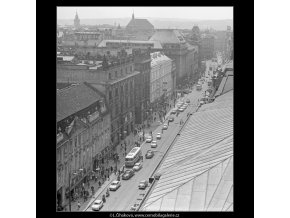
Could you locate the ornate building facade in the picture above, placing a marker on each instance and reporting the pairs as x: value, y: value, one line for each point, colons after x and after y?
x: 83, y: 137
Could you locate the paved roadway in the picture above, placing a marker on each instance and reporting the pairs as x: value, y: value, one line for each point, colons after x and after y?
x: 129, y: 194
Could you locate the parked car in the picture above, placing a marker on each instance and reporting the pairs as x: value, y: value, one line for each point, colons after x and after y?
x: 179, y: 105
x: 115, y: 185
x: 198, y: 87
x: 149, y: 139
x: 154, y: 144
x: 97, y: 205
x: 128, y: 174
x: 171, y: 119
x: 181, y: 109
x: 158, y: 136
x: 173, y: 111
x: 137, y: 166
x: 143, y: 184
x: 187, y: 101
x: 149, y: 154
x: 164, y: 127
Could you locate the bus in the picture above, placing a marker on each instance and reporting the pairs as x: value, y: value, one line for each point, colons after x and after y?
x: 133, y: 157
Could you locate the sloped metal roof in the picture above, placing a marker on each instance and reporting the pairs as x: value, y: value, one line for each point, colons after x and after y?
x: 197, y: 173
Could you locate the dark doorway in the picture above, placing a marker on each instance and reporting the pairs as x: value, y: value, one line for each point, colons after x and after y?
x: 59, y: 198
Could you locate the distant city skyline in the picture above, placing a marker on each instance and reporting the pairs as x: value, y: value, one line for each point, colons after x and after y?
x: 189, y: 13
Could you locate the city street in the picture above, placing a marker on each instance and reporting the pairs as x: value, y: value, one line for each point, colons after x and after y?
x: 129, y: 194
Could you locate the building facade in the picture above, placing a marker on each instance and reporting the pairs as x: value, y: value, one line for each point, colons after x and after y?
x: 83, y: 138
x: 142, y: 64
x: 207, y: 46
x: 161, y: 81
x: 115, y: 78
x: 176, y: 48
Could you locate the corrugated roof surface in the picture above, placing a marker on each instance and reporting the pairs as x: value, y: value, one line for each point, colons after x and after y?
x: 73, y: 99
x: 167, y: 36
x: 226, y: 85
x: 197, y: 173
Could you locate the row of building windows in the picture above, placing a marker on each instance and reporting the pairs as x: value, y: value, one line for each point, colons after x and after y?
x: 116, y: 90
x: 116, y: 75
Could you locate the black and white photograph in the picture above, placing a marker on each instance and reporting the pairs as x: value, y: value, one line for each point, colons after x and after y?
x: 144, y: 109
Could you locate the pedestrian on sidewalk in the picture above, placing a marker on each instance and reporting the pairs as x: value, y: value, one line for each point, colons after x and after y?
x: 111, y: 169
x: 79, y: 205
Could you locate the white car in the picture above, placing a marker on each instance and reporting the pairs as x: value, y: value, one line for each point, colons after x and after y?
x: 137, y: 166
x: 158, y: 136
x: 154, y: 144
x: 149, y: 139
x: 97, y: 205
x: 115, y: 185
x: 181, y: 109
x: 165, y: 126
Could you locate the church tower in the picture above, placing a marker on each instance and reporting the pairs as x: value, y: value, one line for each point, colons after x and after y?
x: 77, y: 21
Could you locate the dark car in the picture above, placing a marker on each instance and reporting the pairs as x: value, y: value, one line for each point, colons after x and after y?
x: 128, y: 174
x: 171, y: 119
x: 149, y: 154
x: 187, y: 101
x: 173, y: 112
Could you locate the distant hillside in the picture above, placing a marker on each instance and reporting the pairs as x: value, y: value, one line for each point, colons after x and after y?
x: 158, y: 23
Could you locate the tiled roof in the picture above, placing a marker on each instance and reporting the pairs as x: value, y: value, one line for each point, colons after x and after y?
x: 144, y: 23
x: 73, y: 99
x: 197, y: 173
x: 167, y: 36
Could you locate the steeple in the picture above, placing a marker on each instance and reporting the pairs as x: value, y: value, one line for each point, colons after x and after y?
x: 77, y: 21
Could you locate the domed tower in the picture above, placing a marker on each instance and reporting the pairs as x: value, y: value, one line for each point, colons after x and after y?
x: 77, y: 21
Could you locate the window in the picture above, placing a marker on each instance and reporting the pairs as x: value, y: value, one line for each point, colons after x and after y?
x: 126, y: 70
x: 79, y: 139
x: 121, y: 72
x: 130, y: 68
x: 110, y: 76
x: 126, y: 87
x: 110, y: 95
x: 116, y: 92
x: 116, y: 74
x: 122, y: 91
x: 76, y: 141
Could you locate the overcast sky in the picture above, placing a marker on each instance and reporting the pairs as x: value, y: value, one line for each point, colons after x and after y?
x: 202, y: 13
